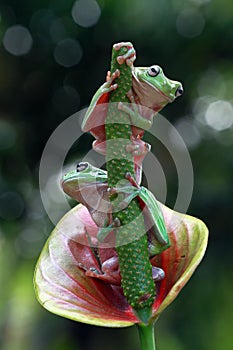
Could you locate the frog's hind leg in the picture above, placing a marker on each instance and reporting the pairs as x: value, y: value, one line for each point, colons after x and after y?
x: 139, y: 149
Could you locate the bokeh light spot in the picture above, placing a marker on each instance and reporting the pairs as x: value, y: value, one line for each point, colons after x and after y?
x: 212, y: 82
x: 86, y: 13
x: 41, y: 20
x: 68, y: 52
x: 189, y: 133
x: 11, y: 205
x: 200, y: 106
x: 17, y: 40
x: 7, y: 135
x: 190, y: 23
x: 219, y: 115
x: 57, y: 30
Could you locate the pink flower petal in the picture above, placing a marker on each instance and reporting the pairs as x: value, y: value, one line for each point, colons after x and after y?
x: 189, y: 238
x: 64, y: 287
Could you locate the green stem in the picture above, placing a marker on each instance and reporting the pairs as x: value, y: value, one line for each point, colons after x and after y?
x: 147, y: 336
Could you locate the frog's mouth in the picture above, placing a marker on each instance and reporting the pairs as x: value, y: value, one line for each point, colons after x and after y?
x: 81, y: 183
x: 89, y: 194
x: 152, y: 95
x: 149, y: 95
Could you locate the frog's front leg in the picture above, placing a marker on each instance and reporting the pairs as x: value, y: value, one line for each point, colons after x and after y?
x: 99, y: 145
x: 110, y: 79
x: 130, y: 191
x: 110, y: 84
x: 133, y: 111
x: 159, y: 239
x: 129, y: 57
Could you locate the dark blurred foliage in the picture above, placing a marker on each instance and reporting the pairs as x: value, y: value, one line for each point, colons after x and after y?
x: 53, y: 56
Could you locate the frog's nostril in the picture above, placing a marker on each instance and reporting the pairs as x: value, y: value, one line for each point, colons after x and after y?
x: 179, y: 91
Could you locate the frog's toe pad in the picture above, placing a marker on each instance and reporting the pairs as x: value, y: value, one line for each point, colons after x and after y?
x: 157, y: 274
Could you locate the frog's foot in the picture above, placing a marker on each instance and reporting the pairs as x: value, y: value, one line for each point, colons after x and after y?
x: 110, y: 85
x: 129, y: 57
x: 139, y: 150
x: 136, y: 119
x: 157, y: 274
x: 110, y: 78
x: 109, y: 272
x: 111, y: 191
x: 127, y: 193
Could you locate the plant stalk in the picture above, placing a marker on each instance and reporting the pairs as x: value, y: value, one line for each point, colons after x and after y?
x: 131, y: 240
x: 147, y: 336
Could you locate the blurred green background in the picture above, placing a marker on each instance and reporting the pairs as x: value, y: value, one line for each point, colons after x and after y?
x: 53, y: 56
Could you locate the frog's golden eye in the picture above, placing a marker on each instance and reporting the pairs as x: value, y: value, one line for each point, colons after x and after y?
x: 153, y: 71
x: 81, y: 166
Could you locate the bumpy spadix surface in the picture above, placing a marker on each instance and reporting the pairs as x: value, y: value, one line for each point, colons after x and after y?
x: 63, y: 287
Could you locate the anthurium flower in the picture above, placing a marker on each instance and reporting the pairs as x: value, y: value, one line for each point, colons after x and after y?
x: 73, y: 278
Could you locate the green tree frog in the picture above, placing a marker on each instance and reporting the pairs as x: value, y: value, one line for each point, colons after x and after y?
x: 151, y: 91
x: 88, y: 185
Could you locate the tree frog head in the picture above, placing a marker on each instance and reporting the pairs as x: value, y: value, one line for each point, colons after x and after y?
x: 85, y: 174
x: 153, y: 88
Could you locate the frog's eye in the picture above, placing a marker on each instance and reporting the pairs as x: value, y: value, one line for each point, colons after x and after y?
x: 81, y: 166
x: 179, y: 91
x: 153, y: 71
